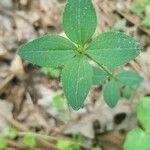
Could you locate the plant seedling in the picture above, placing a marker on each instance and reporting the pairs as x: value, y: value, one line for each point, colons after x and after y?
x: 29, y: 141
x: 3, y: 144
x: 67, y: 145
x: 140, y: 6
x: 11, y: 133
x: 70, y: 144
x: 108, y: 50
x: 142, y: 135
x: 52, y: 72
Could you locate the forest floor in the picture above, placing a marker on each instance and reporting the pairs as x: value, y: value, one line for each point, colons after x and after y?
x: 33, y: 110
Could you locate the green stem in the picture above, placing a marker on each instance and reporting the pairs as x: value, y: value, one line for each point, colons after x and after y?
x: 105, y: 69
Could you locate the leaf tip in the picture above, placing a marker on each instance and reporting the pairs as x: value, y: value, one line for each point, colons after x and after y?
x: 76, y: 107
x: 19, y: 50
x: 111, y: 105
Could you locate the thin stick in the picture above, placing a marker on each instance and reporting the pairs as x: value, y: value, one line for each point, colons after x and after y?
x: 6, y: 81
x: 20, y: 127
x: 14, y: 123
x: 51, y: 138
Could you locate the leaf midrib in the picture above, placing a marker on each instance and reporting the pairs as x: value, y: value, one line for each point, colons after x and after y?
x: 79, y: 23
x: 46, y: 51
x: 106, y: 49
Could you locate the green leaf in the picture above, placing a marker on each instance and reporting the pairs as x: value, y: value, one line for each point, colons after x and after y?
x: 77, y: 80
x: 137, y: 140
x: 142, y: 3
x: 11, y: 133
x: 138, y: 9
x: 146, y: 21
x: 113, y: 49
x: 99, y: 76
x: 3, y: 144
x: 111, y: 93
x: 48, y: 51
x: 29, y: 141
x: 64, y: 145
x: 79, y: 20
x: 143, y: 113
x: 52, y: 72
x: 130, y: 78
x: 59, y: 101
x: 70, y: 144
x: 127, y: 92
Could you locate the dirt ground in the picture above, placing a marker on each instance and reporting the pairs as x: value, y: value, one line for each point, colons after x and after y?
x: 28, y: 92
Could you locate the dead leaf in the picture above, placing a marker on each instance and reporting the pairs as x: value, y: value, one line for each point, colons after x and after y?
x: 17, y: 68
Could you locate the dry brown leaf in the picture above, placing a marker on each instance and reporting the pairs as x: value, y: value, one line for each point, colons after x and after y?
x: 17, y: 68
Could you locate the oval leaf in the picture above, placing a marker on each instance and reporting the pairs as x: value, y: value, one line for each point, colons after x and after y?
x: 143, y: 113
x: 79, y: 20
x: 99, y: 76
x: 48, y: 51
x: 130, y: 78
x: 113, y: 49
x: 77, y: 80
x: 137, y: 140
x: 111, y: 94
x: 127, y: 92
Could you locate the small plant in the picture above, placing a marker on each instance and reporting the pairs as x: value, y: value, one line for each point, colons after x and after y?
x: 29, y: 141
x: 109, y: 50
x: 58, y: 101
x: 146, y: 21
x: 3, y: 144
x: 67, y: 145
x: 8, y: 134
x: 139, y: 138
x: 142, y: 7
x: 74, y: 144
x: 11, y: 133
x: 52, y: 72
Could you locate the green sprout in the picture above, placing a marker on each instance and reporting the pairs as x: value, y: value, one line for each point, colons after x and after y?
x: 29, y: 141
x: 139, y: 138
x: 3, y: 143
x: 108, y: 50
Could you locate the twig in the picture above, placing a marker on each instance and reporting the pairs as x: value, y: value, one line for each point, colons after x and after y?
x: 6, y: 81
x: 51, y: 138
x: 15, y: 145
x: 40, y: 137
x: 14, y: 123
x: 20, y: 127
